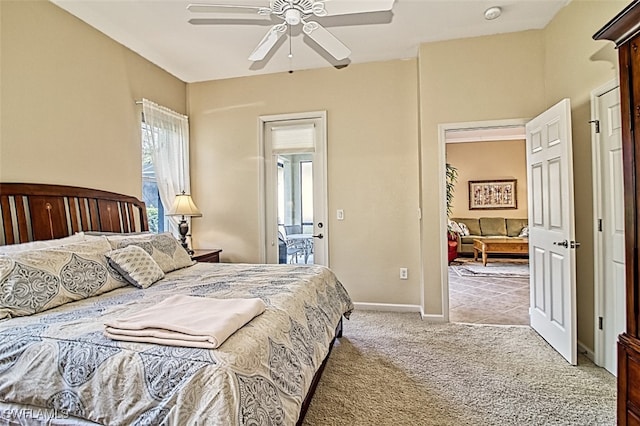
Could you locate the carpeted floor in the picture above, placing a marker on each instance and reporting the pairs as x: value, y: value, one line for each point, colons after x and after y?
x: 395, y: 369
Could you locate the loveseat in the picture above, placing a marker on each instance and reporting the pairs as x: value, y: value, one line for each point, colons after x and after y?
x: 488, y: 227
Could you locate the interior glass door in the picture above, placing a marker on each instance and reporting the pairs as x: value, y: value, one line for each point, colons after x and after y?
x: 295, y: 208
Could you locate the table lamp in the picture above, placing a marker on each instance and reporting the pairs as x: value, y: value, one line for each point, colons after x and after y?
x: 184, y: 206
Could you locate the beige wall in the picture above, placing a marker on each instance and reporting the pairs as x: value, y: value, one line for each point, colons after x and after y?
x: 372, y: 168
x: 574, y: 66
x: 488, y: 160
x: 468, y: 80
x: 67, y: 106
x: 519, y: 75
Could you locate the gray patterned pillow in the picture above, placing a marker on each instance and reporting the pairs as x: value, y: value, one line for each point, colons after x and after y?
x: 163, y: 248
x: 135, y: 265
x: 36, y: 280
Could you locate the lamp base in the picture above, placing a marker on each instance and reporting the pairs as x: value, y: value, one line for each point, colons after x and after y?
x: 183, y: 229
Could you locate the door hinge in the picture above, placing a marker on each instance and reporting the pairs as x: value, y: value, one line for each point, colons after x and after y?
x: 600, y: 225
x: 597, y: 125
x: 600, y: 321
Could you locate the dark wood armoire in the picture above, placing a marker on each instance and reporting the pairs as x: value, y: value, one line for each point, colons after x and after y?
x: 624, y: 31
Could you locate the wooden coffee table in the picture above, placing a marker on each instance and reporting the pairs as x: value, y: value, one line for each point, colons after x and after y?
x: 499, y: 245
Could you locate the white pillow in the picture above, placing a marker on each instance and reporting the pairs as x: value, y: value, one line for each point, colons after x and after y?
x: 135, y: 265
x: 34, y: 245
x: 524, y: 233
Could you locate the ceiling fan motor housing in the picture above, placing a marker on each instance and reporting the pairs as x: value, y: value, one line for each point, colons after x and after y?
x: 287, y: 9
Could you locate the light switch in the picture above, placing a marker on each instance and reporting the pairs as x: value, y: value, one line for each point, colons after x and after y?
x: 340, y: 214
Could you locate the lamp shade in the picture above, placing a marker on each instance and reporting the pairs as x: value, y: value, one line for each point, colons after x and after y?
x: 183, y: 205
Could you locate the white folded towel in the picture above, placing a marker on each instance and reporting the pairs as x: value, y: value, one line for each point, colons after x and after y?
x: 189, y: 321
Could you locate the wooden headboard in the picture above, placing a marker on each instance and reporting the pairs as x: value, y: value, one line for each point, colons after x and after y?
x: 31, y: 212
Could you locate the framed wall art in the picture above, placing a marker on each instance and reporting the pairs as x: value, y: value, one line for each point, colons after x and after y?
x: 493, y: 194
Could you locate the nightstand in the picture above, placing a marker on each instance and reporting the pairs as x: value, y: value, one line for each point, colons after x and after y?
x: 207, y: 255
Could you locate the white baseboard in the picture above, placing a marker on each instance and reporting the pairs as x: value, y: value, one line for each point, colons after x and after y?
x: 433, y: 318
x: 392, y: 307
x: 388, y: 307
x: 588, y: 352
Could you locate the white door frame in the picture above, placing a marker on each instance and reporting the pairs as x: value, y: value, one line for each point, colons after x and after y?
x: 598, y: 268
x: 442, y: 150
x: 264, y: 119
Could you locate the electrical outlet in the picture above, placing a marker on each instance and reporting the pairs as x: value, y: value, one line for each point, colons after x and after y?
x: 404, y: 273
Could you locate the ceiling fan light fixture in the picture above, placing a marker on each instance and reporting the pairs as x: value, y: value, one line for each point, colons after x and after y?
x: 492, y: 13
x: 292, y: 16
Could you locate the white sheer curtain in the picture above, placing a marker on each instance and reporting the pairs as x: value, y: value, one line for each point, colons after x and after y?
x: 168, y: 132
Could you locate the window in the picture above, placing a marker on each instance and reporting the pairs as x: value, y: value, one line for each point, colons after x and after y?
x: 150, y: 194
x: 165, y: 162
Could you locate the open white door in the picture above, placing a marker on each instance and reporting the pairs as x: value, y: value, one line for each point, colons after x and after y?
x: 552, y: 229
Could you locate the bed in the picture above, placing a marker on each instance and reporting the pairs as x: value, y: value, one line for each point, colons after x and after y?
x: 58, y: 367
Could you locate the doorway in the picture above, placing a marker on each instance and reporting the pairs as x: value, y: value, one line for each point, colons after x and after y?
x: 551, y: 222
x: 497, y: 293
x: 294, y: 188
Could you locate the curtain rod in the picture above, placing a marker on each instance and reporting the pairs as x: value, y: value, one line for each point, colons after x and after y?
x: 162, y: 108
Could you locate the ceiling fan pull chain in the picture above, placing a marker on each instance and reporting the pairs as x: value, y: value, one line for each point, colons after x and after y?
x: 290, y: 53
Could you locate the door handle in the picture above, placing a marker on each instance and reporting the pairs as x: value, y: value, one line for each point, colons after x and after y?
x: 564, y: 243
x: 319, y: 236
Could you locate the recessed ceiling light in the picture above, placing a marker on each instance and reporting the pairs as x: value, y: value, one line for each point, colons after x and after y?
x: 492, y: 13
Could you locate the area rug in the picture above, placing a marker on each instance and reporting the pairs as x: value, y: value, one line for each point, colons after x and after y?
x: 396, y: 369
x: 498, y: 269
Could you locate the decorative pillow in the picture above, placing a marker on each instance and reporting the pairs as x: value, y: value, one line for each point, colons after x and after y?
x: 464, y: 229
x: 524, y: 233
x: 455, y: 227
x: 36, y: 280
x: 135, y: 265
x: 163, y: 248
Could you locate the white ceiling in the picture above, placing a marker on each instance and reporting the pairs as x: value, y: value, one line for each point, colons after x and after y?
x: 159, y: 31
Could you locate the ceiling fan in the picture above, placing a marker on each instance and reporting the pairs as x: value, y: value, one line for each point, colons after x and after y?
x: 296, y: 12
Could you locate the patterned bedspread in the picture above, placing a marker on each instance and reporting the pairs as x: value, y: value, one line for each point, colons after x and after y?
x: 61, y: 361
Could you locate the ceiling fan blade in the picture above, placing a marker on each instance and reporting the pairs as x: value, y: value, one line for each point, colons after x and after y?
x: 267, y: 42
x: 346, y: 7
x: 326, y: 40
x: 229, y: 8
